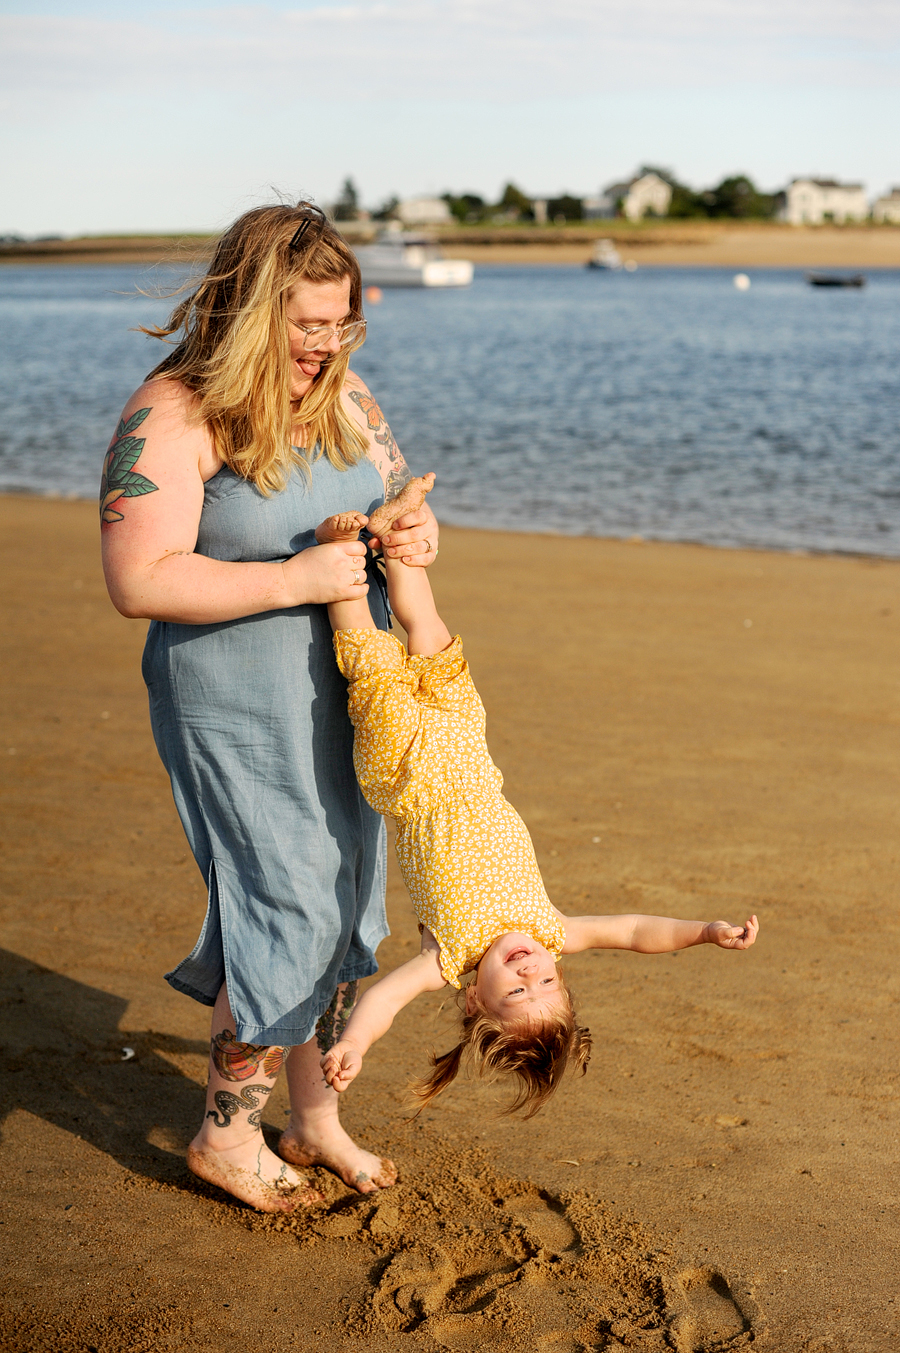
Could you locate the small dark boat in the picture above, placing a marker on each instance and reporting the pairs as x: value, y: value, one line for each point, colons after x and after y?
x: 833, y: 279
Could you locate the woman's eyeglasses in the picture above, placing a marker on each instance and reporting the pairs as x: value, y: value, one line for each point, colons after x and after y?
x: 316, y: 336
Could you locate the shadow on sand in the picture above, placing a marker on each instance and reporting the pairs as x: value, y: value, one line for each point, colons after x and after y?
x: 61, y: 1054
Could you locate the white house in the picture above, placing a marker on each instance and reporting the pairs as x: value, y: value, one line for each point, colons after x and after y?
x: 423, y: 211
x: 888, y: 208
x: 648, y: 193
x: 638, y: 196
x: 815, y: 201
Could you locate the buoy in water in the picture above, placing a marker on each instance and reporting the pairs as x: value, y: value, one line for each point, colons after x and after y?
x: 373, y: 295
x: 742, y: 281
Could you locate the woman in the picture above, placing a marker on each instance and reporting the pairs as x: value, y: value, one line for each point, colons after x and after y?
x: 247, y: 436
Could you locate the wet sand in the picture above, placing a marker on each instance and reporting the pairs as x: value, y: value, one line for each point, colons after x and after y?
x: 726, y: 1174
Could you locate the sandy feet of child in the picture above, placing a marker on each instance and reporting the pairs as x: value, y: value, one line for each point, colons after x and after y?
x: 253, y: 1174
x: 409, y: 499
x: 347, y: 525
x: 338, y: 1152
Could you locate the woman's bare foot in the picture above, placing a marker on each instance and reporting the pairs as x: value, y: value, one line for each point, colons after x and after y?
x: 252, y: 1173
x: 332, y: 1147
x: 345, y: 526
x: 409, y: 499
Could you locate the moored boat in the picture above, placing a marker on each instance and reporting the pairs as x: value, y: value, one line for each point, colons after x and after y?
x: 606, y: 257
x: 398, y: 259
x: 835, y: 279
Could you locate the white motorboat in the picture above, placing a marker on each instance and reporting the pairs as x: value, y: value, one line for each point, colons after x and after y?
x: 605, y: 257
x: 398, y: 259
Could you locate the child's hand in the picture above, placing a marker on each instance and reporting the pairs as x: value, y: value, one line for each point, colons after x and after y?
x: 341, y: 1064
x: 732, y: 936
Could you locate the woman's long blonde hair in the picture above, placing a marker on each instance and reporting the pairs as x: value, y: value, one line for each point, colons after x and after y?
x: 234, y: 352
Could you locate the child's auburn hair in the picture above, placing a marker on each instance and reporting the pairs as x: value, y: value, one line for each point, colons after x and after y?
x: 537, y: 1055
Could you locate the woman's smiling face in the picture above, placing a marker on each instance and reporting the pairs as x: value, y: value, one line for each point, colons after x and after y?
x: 314, y: 304
x: 516, y: 981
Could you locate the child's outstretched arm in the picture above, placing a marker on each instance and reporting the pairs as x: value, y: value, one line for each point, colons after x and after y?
x: 652, y: 934
x: 375, y: 1011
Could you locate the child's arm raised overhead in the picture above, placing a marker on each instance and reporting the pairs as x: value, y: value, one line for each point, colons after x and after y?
x: 652, y: 934
x: 376, y: 1008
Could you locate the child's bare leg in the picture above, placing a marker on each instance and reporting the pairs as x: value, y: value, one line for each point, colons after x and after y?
x: 412, y: 601
x: 355, y: 614
x: 230, y: 1150
x: 408, y: 588
x: 314, y: 1135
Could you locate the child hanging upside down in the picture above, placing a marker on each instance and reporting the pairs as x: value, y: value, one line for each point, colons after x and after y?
x: 464, y: 852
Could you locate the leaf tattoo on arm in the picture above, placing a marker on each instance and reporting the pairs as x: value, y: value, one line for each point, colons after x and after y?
x: 119, y: 479
x: 399, y: 472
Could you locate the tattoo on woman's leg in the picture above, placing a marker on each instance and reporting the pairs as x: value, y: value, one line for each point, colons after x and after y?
x: 236, y: 1061
x: 333, y: 1021
x: 228, y: 1105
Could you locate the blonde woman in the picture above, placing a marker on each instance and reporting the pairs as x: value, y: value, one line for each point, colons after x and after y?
x: 250, y: 433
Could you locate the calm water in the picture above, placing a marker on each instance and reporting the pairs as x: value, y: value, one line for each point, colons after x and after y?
x: 663, y: 403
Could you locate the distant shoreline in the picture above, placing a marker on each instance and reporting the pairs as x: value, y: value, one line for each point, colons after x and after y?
x: 709, y: 244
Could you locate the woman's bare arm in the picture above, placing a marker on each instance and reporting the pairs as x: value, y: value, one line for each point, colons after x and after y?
x: 151, y: 498
x: 414, y: 532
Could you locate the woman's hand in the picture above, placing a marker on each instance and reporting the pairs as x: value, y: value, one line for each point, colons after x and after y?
x: 414, y: 538
x: 326, y: 573
x: 732, y: 936
x: 341, y: 1064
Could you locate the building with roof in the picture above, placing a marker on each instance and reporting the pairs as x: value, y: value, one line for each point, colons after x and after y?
x: 818, y: 201
x: 887, y: 209
x: 424, y: 211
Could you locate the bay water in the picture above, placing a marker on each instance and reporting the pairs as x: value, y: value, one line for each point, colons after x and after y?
x: 664, y: 403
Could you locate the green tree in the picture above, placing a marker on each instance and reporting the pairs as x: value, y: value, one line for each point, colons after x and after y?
x: 466, y: 206
x: 386, y: 211
x: 346, y: 208
x: 738, y: 197
x: 512, y: 200
x: 566, y: 207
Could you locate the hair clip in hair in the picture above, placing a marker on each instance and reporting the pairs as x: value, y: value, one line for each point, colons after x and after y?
x: 315, y: 218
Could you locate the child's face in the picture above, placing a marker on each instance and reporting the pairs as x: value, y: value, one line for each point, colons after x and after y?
x: 516, y: 980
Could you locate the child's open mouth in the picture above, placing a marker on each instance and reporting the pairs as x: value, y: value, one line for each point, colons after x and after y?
x: 516, y: 954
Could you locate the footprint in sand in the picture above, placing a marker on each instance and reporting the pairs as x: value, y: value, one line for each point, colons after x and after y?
x: 415, y: 1284
x: 470, y: 1260
x: 543, y: 1224
x: 707, y: 1314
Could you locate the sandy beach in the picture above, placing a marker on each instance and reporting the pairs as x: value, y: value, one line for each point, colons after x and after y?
x: 706, y: 244
x: 687, y: 731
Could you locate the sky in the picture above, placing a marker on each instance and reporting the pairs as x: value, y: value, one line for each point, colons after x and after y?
x: 176, y: 117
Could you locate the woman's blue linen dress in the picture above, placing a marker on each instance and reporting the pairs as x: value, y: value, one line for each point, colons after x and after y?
x: 250, y: 719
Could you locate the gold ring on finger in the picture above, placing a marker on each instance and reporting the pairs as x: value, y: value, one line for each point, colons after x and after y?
x: 356, y: 577
x: 429, y: 548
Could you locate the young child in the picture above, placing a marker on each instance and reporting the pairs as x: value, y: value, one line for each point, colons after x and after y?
x: 465, y: 854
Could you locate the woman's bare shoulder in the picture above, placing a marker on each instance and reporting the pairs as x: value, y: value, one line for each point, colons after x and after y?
x: 166, y: 398
x: 171, y: 424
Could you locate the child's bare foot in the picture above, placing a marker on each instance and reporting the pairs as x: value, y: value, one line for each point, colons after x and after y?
x: 252, y: 1173
x: 345, y: 526
x: 332, y: 1147
x: 409, y: 499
